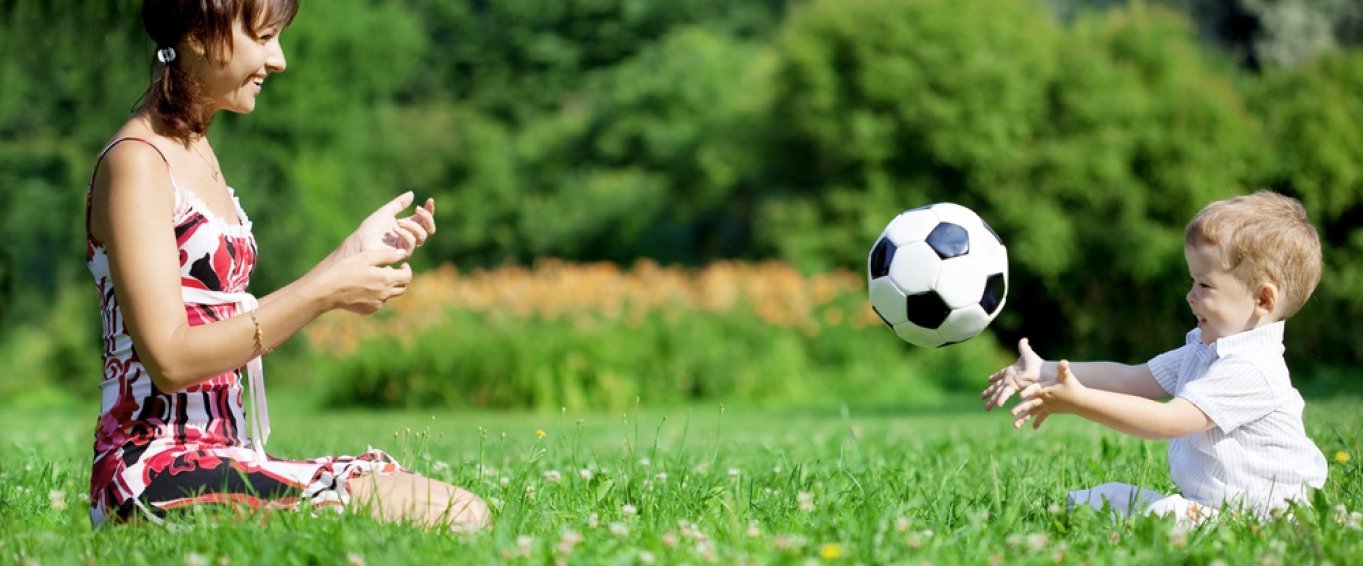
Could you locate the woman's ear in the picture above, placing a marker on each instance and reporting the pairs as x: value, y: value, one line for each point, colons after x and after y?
x: 1266, y: 300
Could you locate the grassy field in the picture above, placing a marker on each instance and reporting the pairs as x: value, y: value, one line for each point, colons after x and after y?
x: 698, y: 486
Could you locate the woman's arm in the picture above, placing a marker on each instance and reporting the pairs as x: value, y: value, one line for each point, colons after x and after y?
x: 131, y: 210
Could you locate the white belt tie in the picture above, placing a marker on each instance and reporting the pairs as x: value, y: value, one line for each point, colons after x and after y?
x: 259, y: 412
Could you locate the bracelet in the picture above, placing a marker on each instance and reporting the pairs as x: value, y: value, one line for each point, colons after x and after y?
x: 260, y: 336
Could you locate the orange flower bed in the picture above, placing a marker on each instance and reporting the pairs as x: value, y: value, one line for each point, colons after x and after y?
x: 595, y: 293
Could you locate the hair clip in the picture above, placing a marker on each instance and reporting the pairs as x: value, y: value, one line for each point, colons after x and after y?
x: 165, y: 55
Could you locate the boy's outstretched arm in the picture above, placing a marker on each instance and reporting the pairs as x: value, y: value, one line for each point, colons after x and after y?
x: 1126, y: 413
x: 1107, y: 376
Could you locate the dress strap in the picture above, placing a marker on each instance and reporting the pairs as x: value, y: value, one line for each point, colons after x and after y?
x: 105, y: 151
x: 90, y: 186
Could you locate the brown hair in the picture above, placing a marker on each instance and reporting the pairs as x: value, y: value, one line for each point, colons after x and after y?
x: 173, y: 93
x: 1264, y: 237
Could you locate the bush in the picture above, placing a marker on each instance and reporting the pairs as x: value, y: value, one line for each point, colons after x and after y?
x: 595, y: 337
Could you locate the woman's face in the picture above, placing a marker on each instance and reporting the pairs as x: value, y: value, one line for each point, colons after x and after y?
x: 235, y: 85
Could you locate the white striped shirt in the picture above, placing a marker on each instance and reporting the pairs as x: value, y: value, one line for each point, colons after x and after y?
x: 1258, y: 453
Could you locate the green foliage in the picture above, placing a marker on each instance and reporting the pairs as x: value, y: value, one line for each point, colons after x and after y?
x: 514, y: 59
x: 1086, y: 150
x: 1140, y: 133
x: 644, y: 162
x: 886, y: 104
x: 587, y: 362
x: 698, y: 130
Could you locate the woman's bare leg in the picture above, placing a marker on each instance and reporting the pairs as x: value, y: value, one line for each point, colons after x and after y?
x: 404, y: 496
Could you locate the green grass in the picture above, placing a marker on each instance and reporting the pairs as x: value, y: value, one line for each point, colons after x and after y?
x: 695, y: 486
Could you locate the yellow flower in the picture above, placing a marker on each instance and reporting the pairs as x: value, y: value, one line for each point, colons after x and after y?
x: 830, y: 551
x: 539, y: 433
x: 1342, y: 456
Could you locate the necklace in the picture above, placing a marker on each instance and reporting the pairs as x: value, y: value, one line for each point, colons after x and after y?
x: 213, y: 168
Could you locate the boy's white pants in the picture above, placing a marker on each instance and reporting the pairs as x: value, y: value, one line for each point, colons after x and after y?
x: 1126, y: 500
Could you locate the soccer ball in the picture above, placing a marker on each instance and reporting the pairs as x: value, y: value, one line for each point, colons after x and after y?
x: 938, y: 275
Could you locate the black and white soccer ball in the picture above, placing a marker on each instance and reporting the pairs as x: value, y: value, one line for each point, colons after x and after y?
x: 938, y: 275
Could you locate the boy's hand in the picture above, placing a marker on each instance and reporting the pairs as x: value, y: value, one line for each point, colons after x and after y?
x: 1007, y: 381
x: 1041, y: 400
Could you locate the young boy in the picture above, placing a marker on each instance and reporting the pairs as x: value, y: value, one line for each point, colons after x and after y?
x: 1234, y: 421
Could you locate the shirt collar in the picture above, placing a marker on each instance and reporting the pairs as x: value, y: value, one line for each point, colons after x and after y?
x: 1268, y: 335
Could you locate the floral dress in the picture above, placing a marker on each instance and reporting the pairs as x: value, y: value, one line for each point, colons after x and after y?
x: 156, y: 451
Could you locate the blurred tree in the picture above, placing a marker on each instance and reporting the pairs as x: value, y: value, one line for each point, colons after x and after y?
x: 1256, y: 33
x: 643, y: 161
x: 1313, y: 115
x: 1088, y: 151
x: 516, y: 58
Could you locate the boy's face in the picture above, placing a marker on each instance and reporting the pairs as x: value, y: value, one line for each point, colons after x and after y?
x: 1222, y: 304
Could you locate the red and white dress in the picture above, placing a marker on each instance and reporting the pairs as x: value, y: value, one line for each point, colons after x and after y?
x: 158, y: 451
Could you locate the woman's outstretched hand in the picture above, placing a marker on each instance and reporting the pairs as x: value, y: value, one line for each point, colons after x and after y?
x: 385, y: 230
x: 370, y: 266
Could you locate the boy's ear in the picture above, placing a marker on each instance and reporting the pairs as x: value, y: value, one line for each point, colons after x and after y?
x: 1266, y: 300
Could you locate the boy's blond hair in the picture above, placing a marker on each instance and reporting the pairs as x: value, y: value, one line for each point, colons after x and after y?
x: 1264, y: 237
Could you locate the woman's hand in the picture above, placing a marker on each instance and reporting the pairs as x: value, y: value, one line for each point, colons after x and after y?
x: 384, y: 230
x: 362, y: 282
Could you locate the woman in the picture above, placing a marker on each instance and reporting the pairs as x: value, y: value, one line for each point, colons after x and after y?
x: 172, y: 253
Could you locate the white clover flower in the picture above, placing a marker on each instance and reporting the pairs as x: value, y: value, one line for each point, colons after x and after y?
x: 788, y: 543
x: 592, y: 521
x: 196, y: 559
x: 733, y: 473
x: 645, y: 462
x: 901, y: 524
x: 806, y: 501
x: 353, y: 559
x: 57, y: 500
x: 661, y: 477
x: 669, y: 539
x: 553, y: 476
x: 706, y: 550
x: 753, y: 530
x: 568, y: 541
x: 585, y: 474
x: 629, y: 510
x: 646, y: 558
x: 620, y: 530
x: 1178, y: 536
